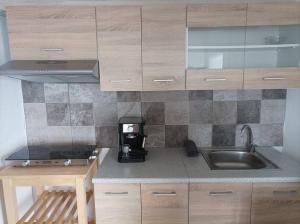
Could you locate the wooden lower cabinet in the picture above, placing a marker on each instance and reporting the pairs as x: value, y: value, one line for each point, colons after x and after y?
x: 276, y: 203
x: 164, y: 203
x: 117, y: 203
x: 220, y: 203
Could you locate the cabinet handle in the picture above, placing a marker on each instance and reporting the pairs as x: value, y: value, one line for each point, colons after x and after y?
x: 214, y: 79
x: 121, y: 80
x: 173, y: 193
x: 292, y: 192
x: 116, y: 193
x: 220, y: 193
x: 274, y: 78
x: 52, y: 49
x: 163, y: 80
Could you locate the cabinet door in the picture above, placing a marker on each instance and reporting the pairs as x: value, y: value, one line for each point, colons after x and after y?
x: 52, y: 33
x: 273, y: 13
x: 164, y: 203
x: 117, y: 203
x: 163, y: 47
x: 220, y: 203
x: 276, y: 203
x: 119, y: 42
x: 216, y: 15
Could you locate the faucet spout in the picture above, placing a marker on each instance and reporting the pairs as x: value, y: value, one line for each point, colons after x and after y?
x: 249, y: 143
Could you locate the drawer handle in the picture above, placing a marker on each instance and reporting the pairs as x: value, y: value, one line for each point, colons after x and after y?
x: 274, y: 78
x: 116, y: 193
x: 173, y: 193
x: 220, y: 193
x: 121, y: 80
x: 292, y: 192
x: 214, y: 79
x: 163, y: 80
x: 52, y: 49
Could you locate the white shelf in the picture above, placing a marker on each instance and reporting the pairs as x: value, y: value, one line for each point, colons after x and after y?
x: 244, y: 46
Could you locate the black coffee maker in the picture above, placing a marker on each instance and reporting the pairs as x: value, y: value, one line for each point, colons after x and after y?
x: 131, y: 140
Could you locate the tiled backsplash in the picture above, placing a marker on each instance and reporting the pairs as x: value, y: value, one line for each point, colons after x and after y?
x: 82, y: 114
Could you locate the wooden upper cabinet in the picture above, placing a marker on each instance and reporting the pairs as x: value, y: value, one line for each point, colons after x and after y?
x: 52, y: 32
x: 119, y: 41
x: 276, y: 203
x: 163, y: 47
x: 216, y: 15
x: 220, y: 203
x: 273, y: 13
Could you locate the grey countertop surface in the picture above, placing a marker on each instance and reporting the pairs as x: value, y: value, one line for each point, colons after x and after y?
x: 170, y: 165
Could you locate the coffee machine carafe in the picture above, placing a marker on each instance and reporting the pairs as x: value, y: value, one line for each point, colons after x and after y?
x: 131, y: 140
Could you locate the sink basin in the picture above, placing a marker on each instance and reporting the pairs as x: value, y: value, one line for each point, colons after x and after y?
x: 236, y: 160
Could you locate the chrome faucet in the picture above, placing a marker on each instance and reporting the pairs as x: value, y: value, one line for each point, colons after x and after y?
x: 249, y: 144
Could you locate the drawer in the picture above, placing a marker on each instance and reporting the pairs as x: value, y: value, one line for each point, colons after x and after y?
x: 275, y: 78
x: 220, y: 203
x: 117, y: 203
x: 164, y: 203
x: 214, y: 79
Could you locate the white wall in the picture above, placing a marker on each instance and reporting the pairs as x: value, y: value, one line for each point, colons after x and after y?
x: 12, y: 121
x: 292, y: 124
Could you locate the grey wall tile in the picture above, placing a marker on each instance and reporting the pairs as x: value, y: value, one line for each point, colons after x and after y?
x: 153, y: 113
x: 56, y: 93
x: 240, y: 139
x: 37, y: 135
x: 249, y: 94
x: 223, y: 135
x: 177, y: 112
x: 164, y: 96
x: 273, y: 111
x: 274, y: 94
x: 224, y: 112
x: 200, y: 111
x: 88, y: 93
x: 129, y: 96
x: 58, y: 114
x: 248, y: 111
x: 107, y: 136
x: 105, y: 114
x: 82, y: 114
x: 175, y: 135
x: 225, y: 95
x: 200, y: 95
x: 83, y: 135
x: 35, y: 114
x: 201, y: 134
x: 61, y: 135
x: 155, y: 135
x: 129, y: 109
x: 33, y: 92
x: 271, y: 135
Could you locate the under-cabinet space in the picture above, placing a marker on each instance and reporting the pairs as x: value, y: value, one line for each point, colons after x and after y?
x: 275, y: 203
x: 220, y: 203
x: 164, y: 203
x: 117, y: 203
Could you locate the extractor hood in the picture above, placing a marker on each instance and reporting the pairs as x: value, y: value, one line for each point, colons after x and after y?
x: 68, y: 71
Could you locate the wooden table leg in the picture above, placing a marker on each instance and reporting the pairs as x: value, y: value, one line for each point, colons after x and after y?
x: 10, y: 201
x: 81, y: 201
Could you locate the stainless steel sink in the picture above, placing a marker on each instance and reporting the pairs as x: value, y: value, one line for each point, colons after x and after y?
x: 236, y: 160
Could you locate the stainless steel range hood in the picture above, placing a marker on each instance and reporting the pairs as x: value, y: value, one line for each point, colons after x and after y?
x: 69, y: 71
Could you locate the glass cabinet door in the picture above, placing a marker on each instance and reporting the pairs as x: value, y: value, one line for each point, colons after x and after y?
x: 272, y: 46
x: 216, y: 48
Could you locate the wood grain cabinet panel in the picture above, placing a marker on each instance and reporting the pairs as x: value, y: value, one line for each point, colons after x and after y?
x: 117, y: 203
x: 52, y: 33
x: 273, y: 13
x: 276, y: 203
x: 120, y: 42
x: 163, y: 47
x: 276, y: 78
x: 220, y: 203
x: 216, y: 15
x: 164, y: 203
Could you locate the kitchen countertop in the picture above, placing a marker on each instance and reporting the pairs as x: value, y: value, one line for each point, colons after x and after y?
x: 170, y: 165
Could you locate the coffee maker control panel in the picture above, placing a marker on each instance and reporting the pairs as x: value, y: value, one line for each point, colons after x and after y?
x: 131, y: 128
